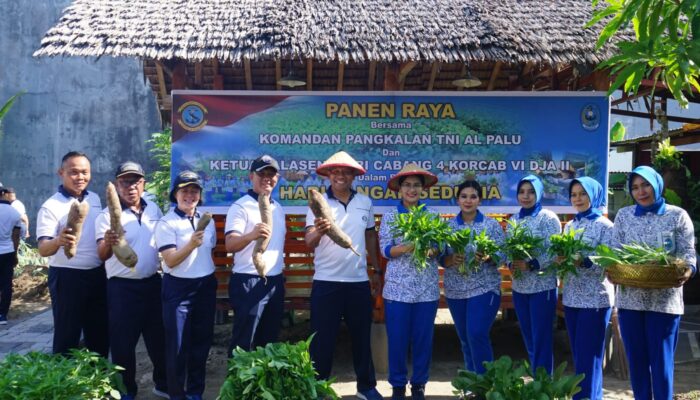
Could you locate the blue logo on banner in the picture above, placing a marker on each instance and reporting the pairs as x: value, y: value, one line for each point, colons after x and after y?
x: 192, y: 116
x: 590, y: 117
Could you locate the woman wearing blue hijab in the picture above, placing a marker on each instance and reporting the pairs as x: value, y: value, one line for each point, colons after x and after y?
x: 649, y: 318
x: 587, y: 300
x: 534, y: 293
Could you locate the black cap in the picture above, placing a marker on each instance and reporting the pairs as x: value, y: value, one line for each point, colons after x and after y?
x: 263, y: 162
x: 185, y: 178
x: 129, y: 167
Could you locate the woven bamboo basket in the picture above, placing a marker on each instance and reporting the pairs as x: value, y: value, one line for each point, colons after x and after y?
x: 646, y: 276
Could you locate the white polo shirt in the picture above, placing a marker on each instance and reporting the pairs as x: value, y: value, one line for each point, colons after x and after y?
x: 139, y: 233
x: 9, y: 220
x: 332, y: 262
x: 51, y: 220
x: 174, y: 230
x: 241, y: 218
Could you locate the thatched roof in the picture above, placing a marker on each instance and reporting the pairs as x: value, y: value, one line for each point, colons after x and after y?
x: 511, y: 31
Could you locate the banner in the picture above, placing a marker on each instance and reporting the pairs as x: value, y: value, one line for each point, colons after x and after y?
x: 495, y: 138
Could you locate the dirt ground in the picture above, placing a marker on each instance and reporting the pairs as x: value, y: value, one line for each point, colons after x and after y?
x: 447, y: 359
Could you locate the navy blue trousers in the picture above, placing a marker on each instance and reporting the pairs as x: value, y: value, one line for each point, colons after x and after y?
x: 189, y: 305
x: 473, y: 318
x: 258, y: 307
x: 332, y: 302
x: 586, y: 328
x: 650, y: 340
x: 135, y: 309
x: 79, y: 305
x: 536, y: 313
x: 7, y: 269
x: 409, y: 325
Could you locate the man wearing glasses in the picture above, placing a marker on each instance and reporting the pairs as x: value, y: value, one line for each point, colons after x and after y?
x: 257, y: 302
x: 133, y: 295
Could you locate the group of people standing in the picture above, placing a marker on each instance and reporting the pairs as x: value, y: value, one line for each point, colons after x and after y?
x: 111, y: 305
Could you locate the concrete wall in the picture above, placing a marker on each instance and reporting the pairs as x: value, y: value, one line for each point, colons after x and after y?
x: 101, y: 107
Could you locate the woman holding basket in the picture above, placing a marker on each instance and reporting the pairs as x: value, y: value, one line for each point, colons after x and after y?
x: 649, y: 318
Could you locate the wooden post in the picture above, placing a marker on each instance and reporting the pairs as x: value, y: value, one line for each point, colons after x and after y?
x: 404, y: 70
x: 494, y: 75
x: 391, y: 76
x: 218, y: 83
x: 278, y: 74
x: 341, y: 73
x: 433, y: 75
x: 309, y: 74
x: 372, y: 75
x: 248, y: 74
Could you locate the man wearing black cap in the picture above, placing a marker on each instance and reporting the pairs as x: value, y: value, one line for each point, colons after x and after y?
x: 77, y: 285
x: 133, y: 294
x: 258, y: 305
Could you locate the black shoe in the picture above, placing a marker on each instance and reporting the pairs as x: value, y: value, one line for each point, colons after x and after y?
x: 417, y: 392
x: 398, y: 393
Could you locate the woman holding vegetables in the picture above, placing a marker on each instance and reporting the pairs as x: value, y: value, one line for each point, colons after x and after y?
x: 411, y: 291
x: 649, y: 318
x: 587, y: 299
x: 534, y: 291
x: 474, y: 294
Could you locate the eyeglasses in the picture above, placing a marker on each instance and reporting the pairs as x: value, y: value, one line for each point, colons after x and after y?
x: 266, y: 174
x: 127, y: 183
x: 411, y: 185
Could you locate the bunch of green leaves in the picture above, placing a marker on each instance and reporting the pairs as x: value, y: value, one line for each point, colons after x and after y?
x: 486, y: 247
x: 665, y: 45
x: 28, y: 255
x: 276, y: 371
x: 667, y: 157
x: 424, y: 229
x: 505, y: 380
x: 571, y: 247
x: 6, y: 109
x: 520, y: 243
x: 458, y: 241
x: 40, y: 376
x: 159, y: 180
x: 632, y: 254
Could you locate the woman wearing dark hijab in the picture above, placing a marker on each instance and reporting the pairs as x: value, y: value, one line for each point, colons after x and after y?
x: 649, y: 318
x: 535, y: 293
x: 587, y: 299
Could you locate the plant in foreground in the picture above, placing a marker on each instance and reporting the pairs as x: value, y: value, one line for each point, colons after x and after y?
x: 520, y: 244
x: 570, y: 247
x: 633, y: 254
x: 424, y: 229
x: 504, y: 379
x: 40, y: 376
x: 276, y: 371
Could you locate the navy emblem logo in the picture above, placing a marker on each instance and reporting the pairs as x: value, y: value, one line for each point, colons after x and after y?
x: 590, y: 117
x: 192, y: 116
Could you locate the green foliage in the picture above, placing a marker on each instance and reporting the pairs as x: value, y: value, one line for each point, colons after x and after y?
x: 665, y: 40
x: 28, y: 259
x: 276, y: 371
x: 520, y: 244
x: 40, y: 376
x: 672, y: 197
x: 617, y: 132
x: 667, y: 157
x: 485, y: 247
x: 632, y: 254
x: 6, y: 108
x: 458, y: 241
x: 424, y: 229
x: 571, y: 247
x: 159, y: 180
x: 505, y: 380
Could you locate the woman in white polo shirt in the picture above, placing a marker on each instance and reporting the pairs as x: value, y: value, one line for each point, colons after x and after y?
x: 189, y: 289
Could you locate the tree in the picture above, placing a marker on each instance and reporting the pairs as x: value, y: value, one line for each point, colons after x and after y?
x: 666, y: 45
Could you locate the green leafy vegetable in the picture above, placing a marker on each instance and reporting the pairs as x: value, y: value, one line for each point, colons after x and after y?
x: 458, y: 241
x: 520, y: 244
x: 485, y: 247
x: 40, y: 376
x: 571, y: 247
x: 633, y: 254
x: 276, y: 371
x: 424, y: 229
x: 505, y: 379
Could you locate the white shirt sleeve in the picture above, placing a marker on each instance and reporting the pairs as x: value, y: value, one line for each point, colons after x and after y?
x: 165, y: 235
x: 47, y: 225
x: 101, y: 225
x: 236, y: 219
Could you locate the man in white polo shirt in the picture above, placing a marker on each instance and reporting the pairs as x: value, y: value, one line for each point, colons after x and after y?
x: 133, y: 295
x: 78, y: 286
x: 257, y: 303
x: 10, y: 223
x: 341, y: 287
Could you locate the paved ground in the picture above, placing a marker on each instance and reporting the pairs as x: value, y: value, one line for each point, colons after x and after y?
x: 35, y: 333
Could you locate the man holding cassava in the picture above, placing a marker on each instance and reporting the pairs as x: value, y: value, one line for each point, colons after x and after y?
x: 256, y: 285
x: 341, y: 288
x: 77, y: 281
x: 133, y: 292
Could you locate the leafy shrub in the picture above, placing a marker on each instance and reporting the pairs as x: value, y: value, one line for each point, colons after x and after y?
x: 504, y: 380
x: 159, y: 181
x: 28, y: 256
x: 276, y: 371
x: 40, y: 376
